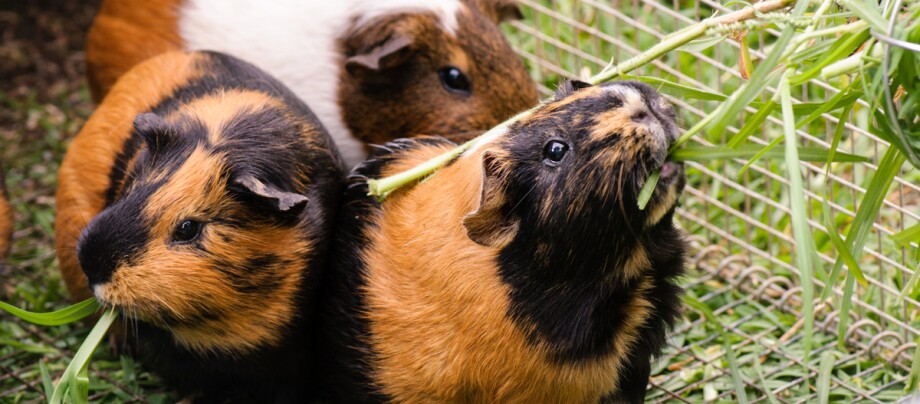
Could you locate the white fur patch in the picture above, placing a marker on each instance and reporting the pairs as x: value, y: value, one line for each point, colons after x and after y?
x: 445, y: 10
x: 296, y: 41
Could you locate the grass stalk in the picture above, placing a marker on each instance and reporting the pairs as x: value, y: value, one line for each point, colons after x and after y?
x: 74, y: 380
x: 805, y: 245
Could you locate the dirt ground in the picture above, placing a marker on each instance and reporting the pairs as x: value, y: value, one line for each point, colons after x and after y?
x: 43, y: 101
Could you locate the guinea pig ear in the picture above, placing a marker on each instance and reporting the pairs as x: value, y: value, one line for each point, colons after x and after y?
x: 394, y: 51
x: 507, y: 10
x: 285, y: 200
x: 490, y: 225
x: 568, y: 87
x: 156, y: 132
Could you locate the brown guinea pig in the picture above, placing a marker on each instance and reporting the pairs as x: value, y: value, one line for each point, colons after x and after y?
x: 523, y: 271
x: 6, y: 219
x: 198, y: 199
x: 371, y: 70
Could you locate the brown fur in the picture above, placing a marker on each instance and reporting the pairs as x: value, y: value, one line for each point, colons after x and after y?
x: 84, y: 174
x: 6, y: 219
x: 124, y: 34
x: 474, y: 49
x: 440, y: 308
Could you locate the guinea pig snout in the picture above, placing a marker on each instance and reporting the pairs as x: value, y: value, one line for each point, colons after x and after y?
x: 651, y: 122
x: 106, y: 243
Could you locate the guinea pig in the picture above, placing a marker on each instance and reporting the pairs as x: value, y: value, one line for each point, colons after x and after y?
x: 371, y: 70
x: 523, y: 271
x: 6, y: 219
x: 198, y: 199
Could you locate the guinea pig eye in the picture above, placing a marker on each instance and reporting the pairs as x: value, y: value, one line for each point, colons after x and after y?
x: 555, y: 150
x: 186, y: 231
x: 454, y: 80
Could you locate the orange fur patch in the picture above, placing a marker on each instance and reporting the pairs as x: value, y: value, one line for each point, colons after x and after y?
x: 437, y: 308
x: 84, y: 174
x: 6, y: 221
x: 126, y: 33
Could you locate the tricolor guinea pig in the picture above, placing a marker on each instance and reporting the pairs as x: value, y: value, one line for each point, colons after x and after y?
x: 371, y: 70
x: 523, y: 271
x: 6, y: 219
x: 198, y: 199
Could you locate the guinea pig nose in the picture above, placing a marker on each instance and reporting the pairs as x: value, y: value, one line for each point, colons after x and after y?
x: 92, y: 257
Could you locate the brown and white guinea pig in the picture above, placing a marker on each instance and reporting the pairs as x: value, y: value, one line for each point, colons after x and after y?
x: 198, y: 199
x: 371, y: 70
x: 6, y: 219
x: 523, y: 271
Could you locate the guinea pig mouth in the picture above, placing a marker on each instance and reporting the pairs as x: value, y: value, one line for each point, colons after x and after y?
x: 670, y: 171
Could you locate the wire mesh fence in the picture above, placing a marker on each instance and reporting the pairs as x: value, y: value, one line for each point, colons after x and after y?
x: 740, y: 223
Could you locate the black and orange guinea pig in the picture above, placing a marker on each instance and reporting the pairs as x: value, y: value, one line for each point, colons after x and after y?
x: 523, y: 271
x: 198, y: 199
x: 371, y: 70
x: 6, y: 219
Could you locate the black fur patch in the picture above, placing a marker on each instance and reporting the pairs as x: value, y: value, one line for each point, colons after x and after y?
x: 343, y: 366
x: 581, y: 247
x: 109, y: 241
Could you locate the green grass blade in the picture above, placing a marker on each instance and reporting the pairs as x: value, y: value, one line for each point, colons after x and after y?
x: 759, y: 369
x: 868, y: 208
x: 843, y: 318
x: 913, y: 380
x: 838, y: 134
x: 753, y: 124
x: 805, y: 245
x: 47, y: 382
x: 734, y: 369
x: 80, y: 360
x: 695, y: 129
x: 766, y: 149
x: 859, y: 231
x: 701, y: 44
x: 677, y: 90
x: 906, y: 236
x: 648, y: 188
x: 760, y: 78
x: 707, y: 153
x: 841, y: 99
x: 886, y: 131
x: 908, y: 286
x: 825, y: 371
x: 867, y: 12
x: 841, y: 247
x: 63, y: 316
x: 841, y: 49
